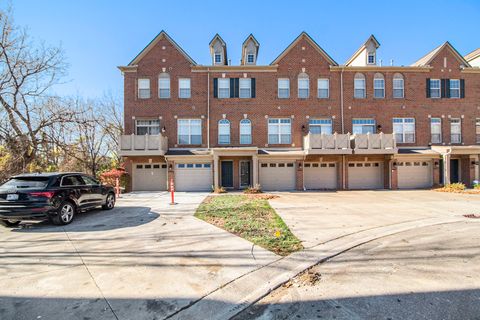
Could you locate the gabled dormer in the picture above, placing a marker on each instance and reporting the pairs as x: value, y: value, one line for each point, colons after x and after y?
x: 473, y: 58
x: 366, y: 55
x: 218, y: 50
x: 250, y: 51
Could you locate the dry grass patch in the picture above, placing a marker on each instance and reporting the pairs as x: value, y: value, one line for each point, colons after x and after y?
x: 250, y: 217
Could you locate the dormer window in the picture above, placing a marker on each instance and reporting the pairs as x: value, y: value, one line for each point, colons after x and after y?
x: 250, y: 58
x: 371, y: 58
x: 218, y: 58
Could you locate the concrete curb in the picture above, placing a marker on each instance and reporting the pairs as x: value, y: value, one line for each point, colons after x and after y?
x: 236, y: 296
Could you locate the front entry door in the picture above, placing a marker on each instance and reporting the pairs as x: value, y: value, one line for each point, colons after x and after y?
x: 244, y: 174
x: 454, y: 176
x: 227, y: 174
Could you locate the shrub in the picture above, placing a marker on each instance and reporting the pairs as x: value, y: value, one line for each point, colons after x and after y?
x: 219, y: 190
x: 252, y: 190
x: 455, y: 186
x: 476, y: 186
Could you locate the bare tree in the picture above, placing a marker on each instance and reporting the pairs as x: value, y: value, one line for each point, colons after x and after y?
x: 112, y: 124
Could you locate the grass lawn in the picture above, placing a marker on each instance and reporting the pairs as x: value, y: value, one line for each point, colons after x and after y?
x: 250, y: 217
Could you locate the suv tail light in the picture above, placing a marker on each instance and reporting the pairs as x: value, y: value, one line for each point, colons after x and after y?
x: 46, y: 194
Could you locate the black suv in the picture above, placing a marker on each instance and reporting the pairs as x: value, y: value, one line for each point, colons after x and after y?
x: 53, y: 196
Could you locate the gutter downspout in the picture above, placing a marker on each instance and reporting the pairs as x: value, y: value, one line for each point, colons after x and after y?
x: 446, y: 167
x: 343, y: 128
x: 208, y: 108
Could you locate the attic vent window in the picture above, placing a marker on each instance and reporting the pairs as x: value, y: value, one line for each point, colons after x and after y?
x: 250, y: 58
x: 218, y: 58
x: 371, y: 58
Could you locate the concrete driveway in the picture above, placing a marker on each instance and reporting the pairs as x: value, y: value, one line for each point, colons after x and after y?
x: 143, y: 260
x: 318, y: 217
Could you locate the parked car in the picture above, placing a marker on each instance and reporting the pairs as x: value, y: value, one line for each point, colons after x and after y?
x: 57, y: 197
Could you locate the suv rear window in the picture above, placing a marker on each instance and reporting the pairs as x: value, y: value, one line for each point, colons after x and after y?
x: 26, y: 183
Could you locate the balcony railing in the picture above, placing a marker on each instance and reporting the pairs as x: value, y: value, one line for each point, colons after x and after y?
x: 135, y: 145
x: 374, y: 143
x: 327, y: 143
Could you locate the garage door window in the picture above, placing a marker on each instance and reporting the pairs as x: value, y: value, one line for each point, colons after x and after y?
x: 189, y: 131
x: 404, y: 129
x: 279, y: 131
x: 319, y: 126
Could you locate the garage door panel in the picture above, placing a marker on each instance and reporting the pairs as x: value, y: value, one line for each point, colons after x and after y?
x: 320, y: 176
x: 193, y: 177
x: 149, y: 177
x: 414, y: 174
x: 277, y: 176
x: 365, y: 175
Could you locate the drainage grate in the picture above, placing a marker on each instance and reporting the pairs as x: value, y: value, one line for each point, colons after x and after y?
x: 472, y: 216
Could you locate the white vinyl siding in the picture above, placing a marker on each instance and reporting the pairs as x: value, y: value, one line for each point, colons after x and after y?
x: 404, y: 130
x: 436, y: 130
x: 143, y: 88
x: 455, y: 131
x: 323, y: 88
x: 245, y: 88
x: 150, y: 127
x: 283, y: 88
x: 279, y: 131
x: 435, y: 91
x: 319, y: 126
x: 223, y: 88
x: 224, y: 131
x: 245, y: 131
x: 189, y: 131
x: 363, y: 126
x: 184, y: 88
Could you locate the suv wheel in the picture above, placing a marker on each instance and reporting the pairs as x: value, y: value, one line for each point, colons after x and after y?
x: 65, y: 213
x: 9, y: 223
x: 109, y: 202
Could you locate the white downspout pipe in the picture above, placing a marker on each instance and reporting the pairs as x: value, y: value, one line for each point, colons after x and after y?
x: 343, y: 128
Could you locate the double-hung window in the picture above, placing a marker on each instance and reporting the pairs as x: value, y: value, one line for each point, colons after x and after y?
x: 436, y: 130
x: 184, y: 90
x: 245, y: 131
x: 379, y: 86
x: 224, y: 131
x: 143, y: 127
x: 455, y: 131
x: 143, y: 88
x: 454, y: 88
x: 477, y: 130
x: 245, y: 85
x: 404, y: 130
x: 435, y: 90
x: 359, y: 86
x: 363, y: 126
x: 323, y: 88
x: 371, y: 58
x: 223, y: 88
x: 398, y: 86
x: 279, y: 131
x: 303, y: 86
x: 319, y: 126
x: 164, y: 86
x: 284, y: 88
x: 189, y: 131
x: 250, y: 58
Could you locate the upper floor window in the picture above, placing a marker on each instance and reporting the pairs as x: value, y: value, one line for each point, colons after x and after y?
x: 371, y: 58
x: 245, y: 131
x: 164, y: 86
x: 319, y: 126
x: 250, y: 58
x: 398, y: 86
x: 218, y: 58
x: 223, y: 88
x: 279, y: 131
x: 477, y: 130
x: 454, y: 88
x: 245, y: 88
x: 436, y: 130
x: 143, y: 88
x: 359, y: 86
x: 404, y: 130
x: 143, y: 127
x: 184, y: 90
x: 323, y: 88
x: 435, y: 89
x: 303, y: 86
x: 189, y: 131
x: 455, y: 131
x: 363, y: 126
x: 224, y: 131
x: 283, y: 88
x: 379, y: 86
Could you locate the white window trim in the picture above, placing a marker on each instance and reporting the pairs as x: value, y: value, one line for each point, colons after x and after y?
x: 328, y: 88
x: 278, y: 88
x: 402, y: 88
x: 436, y: 124
x: 243, y: 134
x: 215, y: 56
x: 457, y: 89
x: 146, y: 80
x: 459, y: 123
x: 245, y: 80
x: 364, y: 81
x: 224, y: 126
x: 439, y: 88
x: 148, y: 126
x: 250, y: 54
x: 374, y: 124
x: 379, y: 88
x: 307, y: 88
x: 279, y: 125
x: 321, y: 125
x: 227, y: 80
x: 189, y: 88
x: 169, y: 87
x: 403, y: 133
x: 374, y: 58
x: 189, y: 131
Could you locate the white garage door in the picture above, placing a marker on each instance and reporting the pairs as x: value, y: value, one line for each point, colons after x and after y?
x: 365, y: 175
x: 414, y: 174
x: 149, y: 177
x: 193, y: 177
x: 277, y: 176
x: 318, y: 176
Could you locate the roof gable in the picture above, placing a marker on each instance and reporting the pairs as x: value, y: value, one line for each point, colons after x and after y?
x: 315, y: 45
x: 362, y: 48
x: 428, y: 58
x: 160, y: 36
x: 217, y: 39
x: 473, y: 55
x: 250, y: 39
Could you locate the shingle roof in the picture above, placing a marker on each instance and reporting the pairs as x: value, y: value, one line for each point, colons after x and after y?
x: 472, y: 55
x: 426, y: 59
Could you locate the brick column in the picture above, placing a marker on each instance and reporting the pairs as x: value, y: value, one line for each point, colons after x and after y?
x: 299, y: 174
x: 255, y: 170
x: 393, y: 173
x: 171, y: 173
x: 468, y: 171
x: 390, y: 174
x: 436, y: 172
x: 128, y: 169
x: 340, y: 166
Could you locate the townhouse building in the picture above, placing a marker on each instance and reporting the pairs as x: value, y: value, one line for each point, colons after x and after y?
x: 303, y: 122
